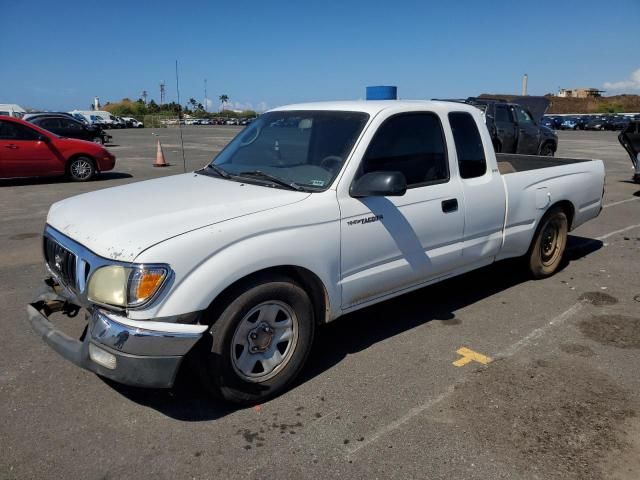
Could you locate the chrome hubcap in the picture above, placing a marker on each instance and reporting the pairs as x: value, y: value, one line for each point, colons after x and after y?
x: 264, y: 341
x: 81, y: 169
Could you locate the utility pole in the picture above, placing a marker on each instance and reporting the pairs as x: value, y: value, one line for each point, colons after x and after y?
x: 162, y: 92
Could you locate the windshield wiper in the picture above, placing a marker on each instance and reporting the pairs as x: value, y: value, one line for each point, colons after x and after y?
x: 220, y: 171
x: 273, y: 178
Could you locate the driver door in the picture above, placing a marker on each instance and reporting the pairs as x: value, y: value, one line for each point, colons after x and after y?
x: 393, y: 243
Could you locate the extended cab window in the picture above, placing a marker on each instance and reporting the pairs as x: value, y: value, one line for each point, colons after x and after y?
x: 469, y: 148
x: 502, y: 114
x: 412, y: 144
x: 13, y: 131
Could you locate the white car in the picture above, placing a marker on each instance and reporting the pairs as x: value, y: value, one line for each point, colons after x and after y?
x: 133, y: 122
x: 311, y: 212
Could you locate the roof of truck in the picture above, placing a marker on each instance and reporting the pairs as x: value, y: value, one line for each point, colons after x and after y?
x: 376, y: 106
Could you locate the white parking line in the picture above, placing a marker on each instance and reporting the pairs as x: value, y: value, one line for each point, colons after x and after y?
x: 508, y: 352
x: 615, y: 232
x: 390, y: 427
x: 539, y: 332
x: 613, y: 204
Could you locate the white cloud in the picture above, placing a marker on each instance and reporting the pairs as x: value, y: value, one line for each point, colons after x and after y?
x: 241, y: 105
x: 633, y: 83
x: 262, y: 106
x: 209, y: 104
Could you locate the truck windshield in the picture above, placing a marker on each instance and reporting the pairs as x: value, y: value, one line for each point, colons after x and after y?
x: 299, y: 149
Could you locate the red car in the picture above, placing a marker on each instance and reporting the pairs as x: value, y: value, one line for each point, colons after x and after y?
x: 30, y: 151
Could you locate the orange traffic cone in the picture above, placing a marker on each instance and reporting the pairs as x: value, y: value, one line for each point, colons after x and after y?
x: 160, y: 161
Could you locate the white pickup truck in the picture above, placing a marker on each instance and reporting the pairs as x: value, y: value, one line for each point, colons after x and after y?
x: 311, y: 212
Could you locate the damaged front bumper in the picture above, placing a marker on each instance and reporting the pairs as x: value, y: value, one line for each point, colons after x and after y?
x: 139, y: 353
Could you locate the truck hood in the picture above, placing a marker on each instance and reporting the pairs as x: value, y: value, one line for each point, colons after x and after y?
x: 120, y: 222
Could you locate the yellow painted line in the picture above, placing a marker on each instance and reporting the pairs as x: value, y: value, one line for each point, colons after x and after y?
x: 468, y: 356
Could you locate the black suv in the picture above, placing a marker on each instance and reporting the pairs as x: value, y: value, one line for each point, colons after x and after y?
x: 67, y: 126
x: 516, y: 126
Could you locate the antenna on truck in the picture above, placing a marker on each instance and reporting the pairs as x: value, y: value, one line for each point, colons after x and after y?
x: 184, y: 162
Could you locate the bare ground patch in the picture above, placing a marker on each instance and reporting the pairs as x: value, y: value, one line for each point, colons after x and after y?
x: 615, y: 330
x: 552, y: 419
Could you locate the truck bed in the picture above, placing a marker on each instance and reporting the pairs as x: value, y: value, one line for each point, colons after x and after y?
x: 511, y: 162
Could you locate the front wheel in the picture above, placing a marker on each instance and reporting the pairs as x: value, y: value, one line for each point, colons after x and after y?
x: 81, y: 169
x: 547, y: 249
x: 259, y: 341
x: 547, y: 150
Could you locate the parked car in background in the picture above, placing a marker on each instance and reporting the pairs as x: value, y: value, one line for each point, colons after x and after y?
x: 107, y: 120
x: 620, y: 123
x: 629, y: 138
x: 12, y: 110
x: 515, y: 126
x: 569, y: 124
x: 31, y: 151
x: 65, y: 125
x: 133, y: 123
x: 596, y: 123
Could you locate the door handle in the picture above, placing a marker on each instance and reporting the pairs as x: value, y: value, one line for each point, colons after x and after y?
x: 450, y: 205
x: 11, y: 145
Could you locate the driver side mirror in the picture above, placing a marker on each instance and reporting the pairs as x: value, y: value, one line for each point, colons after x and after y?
x: 44, y: 138
x: 379, y: 184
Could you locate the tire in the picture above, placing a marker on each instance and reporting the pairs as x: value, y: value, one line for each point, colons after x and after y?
x: 241, y: 365
x: 81, y: 169
x: 547, y: 150
x: 547, y: 248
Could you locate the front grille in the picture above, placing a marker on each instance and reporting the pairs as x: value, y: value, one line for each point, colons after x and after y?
x: 61, y: 261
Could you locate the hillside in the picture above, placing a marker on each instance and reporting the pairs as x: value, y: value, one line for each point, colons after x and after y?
x: 613, y: 104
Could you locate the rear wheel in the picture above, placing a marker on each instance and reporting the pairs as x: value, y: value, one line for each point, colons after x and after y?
x: 547, y: 249
x: 259, y: 342
x: 81, y: 169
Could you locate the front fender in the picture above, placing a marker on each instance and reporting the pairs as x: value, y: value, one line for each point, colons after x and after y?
x: 208, y: 260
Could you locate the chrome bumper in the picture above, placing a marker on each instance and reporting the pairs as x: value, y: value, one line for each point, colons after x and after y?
x: 137, y: 355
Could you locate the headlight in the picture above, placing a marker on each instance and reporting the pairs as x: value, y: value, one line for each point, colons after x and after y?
x: 125, y: 286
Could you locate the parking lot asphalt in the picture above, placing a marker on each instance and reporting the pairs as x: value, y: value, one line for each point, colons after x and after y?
x: 552, y: 389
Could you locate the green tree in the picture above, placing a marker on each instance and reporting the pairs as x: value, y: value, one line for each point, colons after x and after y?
x: 153, y: 107
x: 224, y: 98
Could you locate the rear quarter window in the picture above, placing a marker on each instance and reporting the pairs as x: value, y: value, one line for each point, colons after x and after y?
x: 469, y: 148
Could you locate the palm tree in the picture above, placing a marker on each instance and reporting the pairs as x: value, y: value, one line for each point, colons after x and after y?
x: 224, y: 98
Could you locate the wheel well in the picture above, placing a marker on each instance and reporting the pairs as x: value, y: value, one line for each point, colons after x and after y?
x: 568, y: 209
x: 305, y: 278
x: 76, y: 155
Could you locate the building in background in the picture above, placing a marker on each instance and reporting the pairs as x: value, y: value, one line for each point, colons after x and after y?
x: 580, y: 93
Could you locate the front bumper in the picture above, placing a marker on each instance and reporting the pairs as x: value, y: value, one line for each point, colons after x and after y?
x: 134, y: 355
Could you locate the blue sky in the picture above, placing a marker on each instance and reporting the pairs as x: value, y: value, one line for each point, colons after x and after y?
x: 59, y: 55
